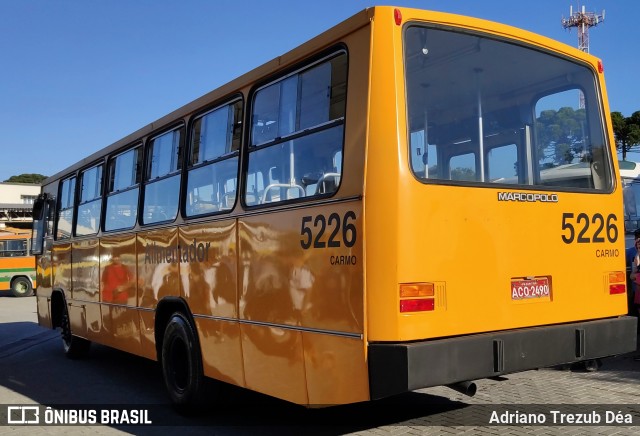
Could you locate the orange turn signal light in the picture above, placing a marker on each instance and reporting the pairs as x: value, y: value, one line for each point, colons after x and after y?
x: 408, y: 290
x: 617, y: 277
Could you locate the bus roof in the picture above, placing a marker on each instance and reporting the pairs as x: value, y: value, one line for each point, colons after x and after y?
x: 317, y: 43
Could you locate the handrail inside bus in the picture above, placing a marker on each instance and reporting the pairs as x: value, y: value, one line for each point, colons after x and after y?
x: 321, y: 188
x: 281, y: 185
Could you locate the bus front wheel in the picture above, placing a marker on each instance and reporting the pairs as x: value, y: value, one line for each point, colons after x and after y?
x: 21, y: 287
x: 182, y: 364
x: 74, y: 346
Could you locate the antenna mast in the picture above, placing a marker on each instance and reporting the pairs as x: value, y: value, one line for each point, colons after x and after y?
x: 582, y: 20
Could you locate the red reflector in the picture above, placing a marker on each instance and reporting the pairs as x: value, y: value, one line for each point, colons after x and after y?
x: 416, y: 305
x: 617, y: 289
x: 600, y: 67
x: 397, y: 15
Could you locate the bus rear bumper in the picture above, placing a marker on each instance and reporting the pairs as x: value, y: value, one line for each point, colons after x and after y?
x: 401, y: 367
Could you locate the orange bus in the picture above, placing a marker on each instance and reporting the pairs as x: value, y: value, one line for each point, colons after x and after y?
x: 17, y: 264
x: 410, y: 199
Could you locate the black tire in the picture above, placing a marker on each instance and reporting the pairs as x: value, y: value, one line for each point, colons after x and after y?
x: 75, y: 347
x: 592, y: 365
x: 182, y: 365
x: 21, y: 287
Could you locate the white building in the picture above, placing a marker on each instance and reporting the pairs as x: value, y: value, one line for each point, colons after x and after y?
x: 16, y: 202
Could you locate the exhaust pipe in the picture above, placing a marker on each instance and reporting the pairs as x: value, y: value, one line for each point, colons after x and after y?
x: 467, y: 387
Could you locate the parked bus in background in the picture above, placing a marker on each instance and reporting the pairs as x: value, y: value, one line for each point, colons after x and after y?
x: 630, y: 179
x: 630, y: 175
x: 17, y: 264
x: 364, y: 215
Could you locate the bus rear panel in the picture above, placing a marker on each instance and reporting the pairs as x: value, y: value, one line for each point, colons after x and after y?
x: 495, y: 235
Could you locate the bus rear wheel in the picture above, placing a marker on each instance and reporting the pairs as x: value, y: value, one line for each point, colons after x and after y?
x: 21, y: 287
x: 182, y: 365
x: 75, y: 347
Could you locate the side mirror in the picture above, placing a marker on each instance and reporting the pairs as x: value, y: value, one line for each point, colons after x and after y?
x: 41, y: 209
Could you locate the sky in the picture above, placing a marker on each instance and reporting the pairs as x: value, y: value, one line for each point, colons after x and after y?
x: 78, y: 75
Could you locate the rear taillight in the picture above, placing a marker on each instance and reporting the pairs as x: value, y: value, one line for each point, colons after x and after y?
x: 617, y: 283
x: 415, y: 305
x: 414, y: 297
x: 617, y: 289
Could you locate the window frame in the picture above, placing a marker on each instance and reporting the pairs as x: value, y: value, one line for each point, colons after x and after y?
x: 99, y: 197
x: 146, y: 172
x: 59, y: 208
x: 180, y: 153
x: 299, y: 68
x: 597, y: 104
x: 228, y: 102
x: 137, y: 185
x: 4, y: 250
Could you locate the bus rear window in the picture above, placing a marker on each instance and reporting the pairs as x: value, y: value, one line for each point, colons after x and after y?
x: 491, y: 112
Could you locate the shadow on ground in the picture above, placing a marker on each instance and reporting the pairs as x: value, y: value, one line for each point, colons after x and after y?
x: 43, y: 374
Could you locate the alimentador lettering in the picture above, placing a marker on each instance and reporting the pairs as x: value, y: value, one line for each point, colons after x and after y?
x: 194, y: 252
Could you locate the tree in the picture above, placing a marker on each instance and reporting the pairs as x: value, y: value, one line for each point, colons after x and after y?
x: 26, y: 178
x: 462, y: 173
x: 561, y: 136
x: 626, y: 131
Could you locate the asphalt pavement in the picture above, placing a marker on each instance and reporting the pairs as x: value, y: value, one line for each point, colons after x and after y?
x: 34, y: 371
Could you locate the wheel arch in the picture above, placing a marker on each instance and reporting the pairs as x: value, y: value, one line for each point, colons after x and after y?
x: 165, y: 308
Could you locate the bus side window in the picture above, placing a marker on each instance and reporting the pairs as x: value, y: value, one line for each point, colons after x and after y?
x: 90, y: 205
x: 297, y: 132
x: 65, y: 208
x: 13, y: 248
x: 213, y: 162
x: 162, y: 189
x: 122, y: 200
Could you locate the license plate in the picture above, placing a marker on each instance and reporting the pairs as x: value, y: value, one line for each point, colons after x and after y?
x: 530, y: 288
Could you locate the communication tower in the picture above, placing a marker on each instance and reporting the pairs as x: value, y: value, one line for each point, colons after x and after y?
x: 582, y: 20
